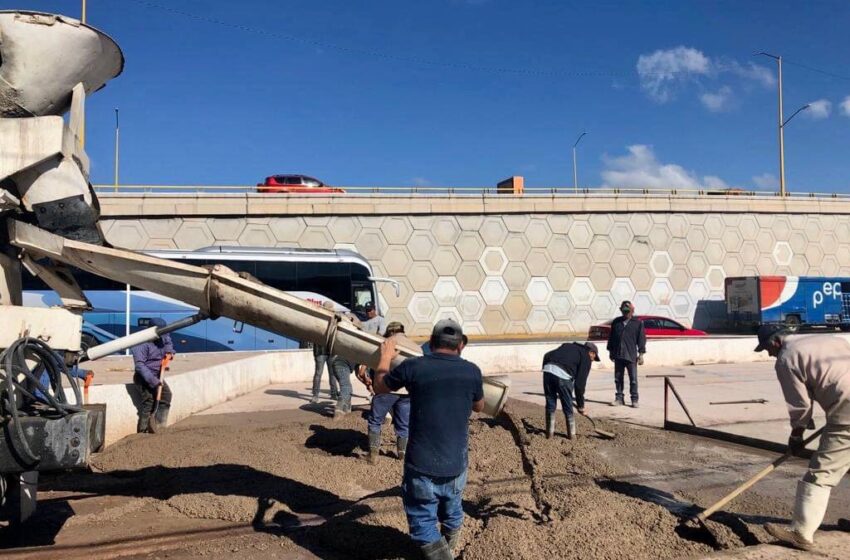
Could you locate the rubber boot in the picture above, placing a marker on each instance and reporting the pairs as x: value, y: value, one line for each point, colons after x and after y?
x: 618, y: 401
x: 452, y: 537
x: 844, y: 524
x: 635, y: 403
x: 437, y: 550
x: 550, y: 425
x: 571, y: 427
x: 374, y: 447
x: 809, y: 509
x: 401, y: 447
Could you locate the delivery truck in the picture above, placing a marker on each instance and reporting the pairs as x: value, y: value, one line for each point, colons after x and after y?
x: 795, y: 301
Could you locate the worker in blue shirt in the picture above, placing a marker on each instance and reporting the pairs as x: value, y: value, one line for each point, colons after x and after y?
x: 444, y: 390
x: 147, y: 359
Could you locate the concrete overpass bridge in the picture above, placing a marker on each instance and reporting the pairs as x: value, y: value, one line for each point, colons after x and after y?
x: 540, y: 262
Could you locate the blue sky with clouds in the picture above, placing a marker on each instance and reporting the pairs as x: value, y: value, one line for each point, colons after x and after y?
x: 467, y: 92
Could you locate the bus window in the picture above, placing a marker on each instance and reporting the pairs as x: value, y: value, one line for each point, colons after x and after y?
x: 278, y: 275
x: 362, y: 294
x: 329, y: 279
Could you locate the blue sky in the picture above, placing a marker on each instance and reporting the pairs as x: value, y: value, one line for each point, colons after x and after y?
x: 467, y: 92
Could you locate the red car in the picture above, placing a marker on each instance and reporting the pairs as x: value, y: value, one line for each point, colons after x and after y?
x: 295, y: 184
x: 656, y: 327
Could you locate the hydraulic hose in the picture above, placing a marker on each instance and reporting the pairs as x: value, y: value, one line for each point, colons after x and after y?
x: 18, y: 380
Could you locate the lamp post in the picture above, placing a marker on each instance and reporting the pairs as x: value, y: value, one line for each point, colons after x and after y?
x: 117, y: 138
x: 575, y: 165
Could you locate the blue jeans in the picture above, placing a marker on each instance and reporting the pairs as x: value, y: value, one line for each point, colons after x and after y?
x: 321, y: 360
x: 556, y: 388
x: 342, y: 373
x: 620, y: 367
x: 429, y: 501
x: 400, y: 407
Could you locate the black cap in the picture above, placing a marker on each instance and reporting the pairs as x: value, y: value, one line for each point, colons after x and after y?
x: 593, y: 348
x: 766, y: 332
x: 448, y: 331
x: 370, y: 306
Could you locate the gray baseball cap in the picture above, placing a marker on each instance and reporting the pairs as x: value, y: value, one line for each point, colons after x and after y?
x: 593, y: 348
x: 449, y: 331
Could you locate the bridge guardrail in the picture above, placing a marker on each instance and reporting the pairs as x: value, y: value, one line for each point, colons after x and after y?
x: 475, y: 192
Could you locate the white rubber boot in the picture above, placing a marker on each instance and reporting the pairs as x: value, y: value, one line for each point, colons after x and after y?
x: 809, y: 508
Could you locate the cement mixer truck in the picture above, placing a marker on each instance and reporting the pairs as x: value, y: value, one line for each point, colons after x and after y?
x: 49, y: 221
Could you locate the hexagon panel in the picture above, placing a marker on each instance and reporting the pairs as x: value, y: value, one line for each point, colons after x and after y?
x: 559, y: 249
x: 494, y: 290
x: 225, y: 229
x: 422, y: 276
x: 538, y: 233
x: 561, y: 276
x: 621, y: 236
x: 561, y: 305
x: 447, y: 291
x: 344, y: 229
x: 371, y: 244
x: 538, y: 262
x: 540, y: 320
x: 494, y: 320
x: 581, y: 235
x: 397, y: 260
x: 446, y: 261
x: 782, y: 253
x: 470, y: 275
x: 469, y: 246
x: 471, y: 306
x: 516, y: 276
x: 622, y: 289
x: 517, y: 306
x: 582, y: 291
x: 190, y: 236
x: 131, y: 235
x: 539, y: 291
x: 397, y: 230
x: 258, y: 236
x: 661, y: 291
x: 316, y: 237
x: 661, y: 264
x: 493, y: 261
x: 423, y: 308
x: 493, y: 232
x: 445, y: 230
x: 516, y: 247
x: 422, y: 246
x: 288, y: 230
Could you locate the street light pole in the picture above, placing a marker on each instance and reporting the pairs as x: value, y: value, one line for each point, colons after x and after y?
x: 781, y: 121
x: 83, y: 120
x: 575, y: 164
x: 117, y: 138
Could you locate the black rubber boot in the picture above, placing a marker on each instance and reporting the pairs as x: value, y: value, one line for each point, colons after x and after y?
x: 452, y: 537
x: 438, y: 550
x: 844, y: 524
x: 401, y: 447
x: 550, y: 425
x: 374, y: 447
x: 571, y: 427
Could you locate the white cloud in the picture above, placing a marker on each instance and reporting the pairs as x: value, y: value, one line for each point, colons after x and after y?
x: 661, y: 71
x: 717, y: 101
x: 766, y: 181
x: 749, y: 71
x: 819, y: 109
x: 664, y: 72
x: 420, y: 182
x: 641, y: 169
x: 845, y: 106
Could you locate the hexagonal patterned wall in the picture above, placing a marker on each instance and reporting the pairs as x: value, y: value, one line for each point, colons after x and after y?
x: 540, y: 273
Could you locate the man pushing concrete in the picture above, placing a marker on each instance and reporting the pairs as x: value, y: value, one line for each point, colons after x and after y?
x: 813, y: 368
x: 566, y: 369
x: 444, y: 389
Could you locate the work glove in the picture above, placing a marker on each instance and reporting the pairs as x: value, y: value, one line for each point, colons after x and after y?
x: 795, y: 441
x: 640, y: 359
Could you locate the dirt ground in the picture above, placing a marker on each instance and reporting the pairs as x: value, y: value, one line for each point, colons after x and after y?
x: 295, y: 484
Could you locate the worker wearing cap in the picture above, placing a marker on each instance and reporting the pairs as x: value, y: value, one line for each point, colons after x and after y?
x: 396, y: 403
x: 565, y: 369
x: 320, y: 359
x: 444, y: 389
x: 626, y: 347
x: 374, y: 323
x: 813, y: 368
x: 147, y: 358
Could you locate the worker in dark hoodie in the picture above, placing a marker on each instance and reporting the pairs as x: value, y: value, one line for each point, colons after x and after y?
x: 147, y: 359
x: 565, y: 369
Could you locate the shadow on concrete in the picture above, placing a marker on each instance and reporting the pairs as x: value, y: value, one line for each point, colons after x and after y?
x: 313, y: 518
x: 337, y: 441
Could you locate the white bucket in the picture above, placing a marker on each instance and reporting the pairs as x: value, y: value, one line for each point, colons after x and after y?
x: 495, y: 394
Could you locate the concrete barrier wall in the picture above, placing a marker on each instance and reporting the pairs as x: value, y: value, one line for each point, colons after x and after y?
x: 523, y: 265
x: 198, y: 390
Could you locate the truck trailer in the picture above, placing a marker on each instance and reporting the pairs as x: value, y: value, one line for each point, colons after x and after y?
x: 795, y: 301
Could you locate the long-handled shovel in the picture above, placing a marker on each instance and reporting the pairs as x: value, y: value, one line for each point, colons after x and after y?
x: 701, y: 517
x: 600, y: 433
x: 152, y: 424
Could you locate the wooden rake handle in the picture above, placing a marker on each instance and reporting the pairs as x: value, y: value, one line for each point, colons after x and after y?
x: 749, y: 483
